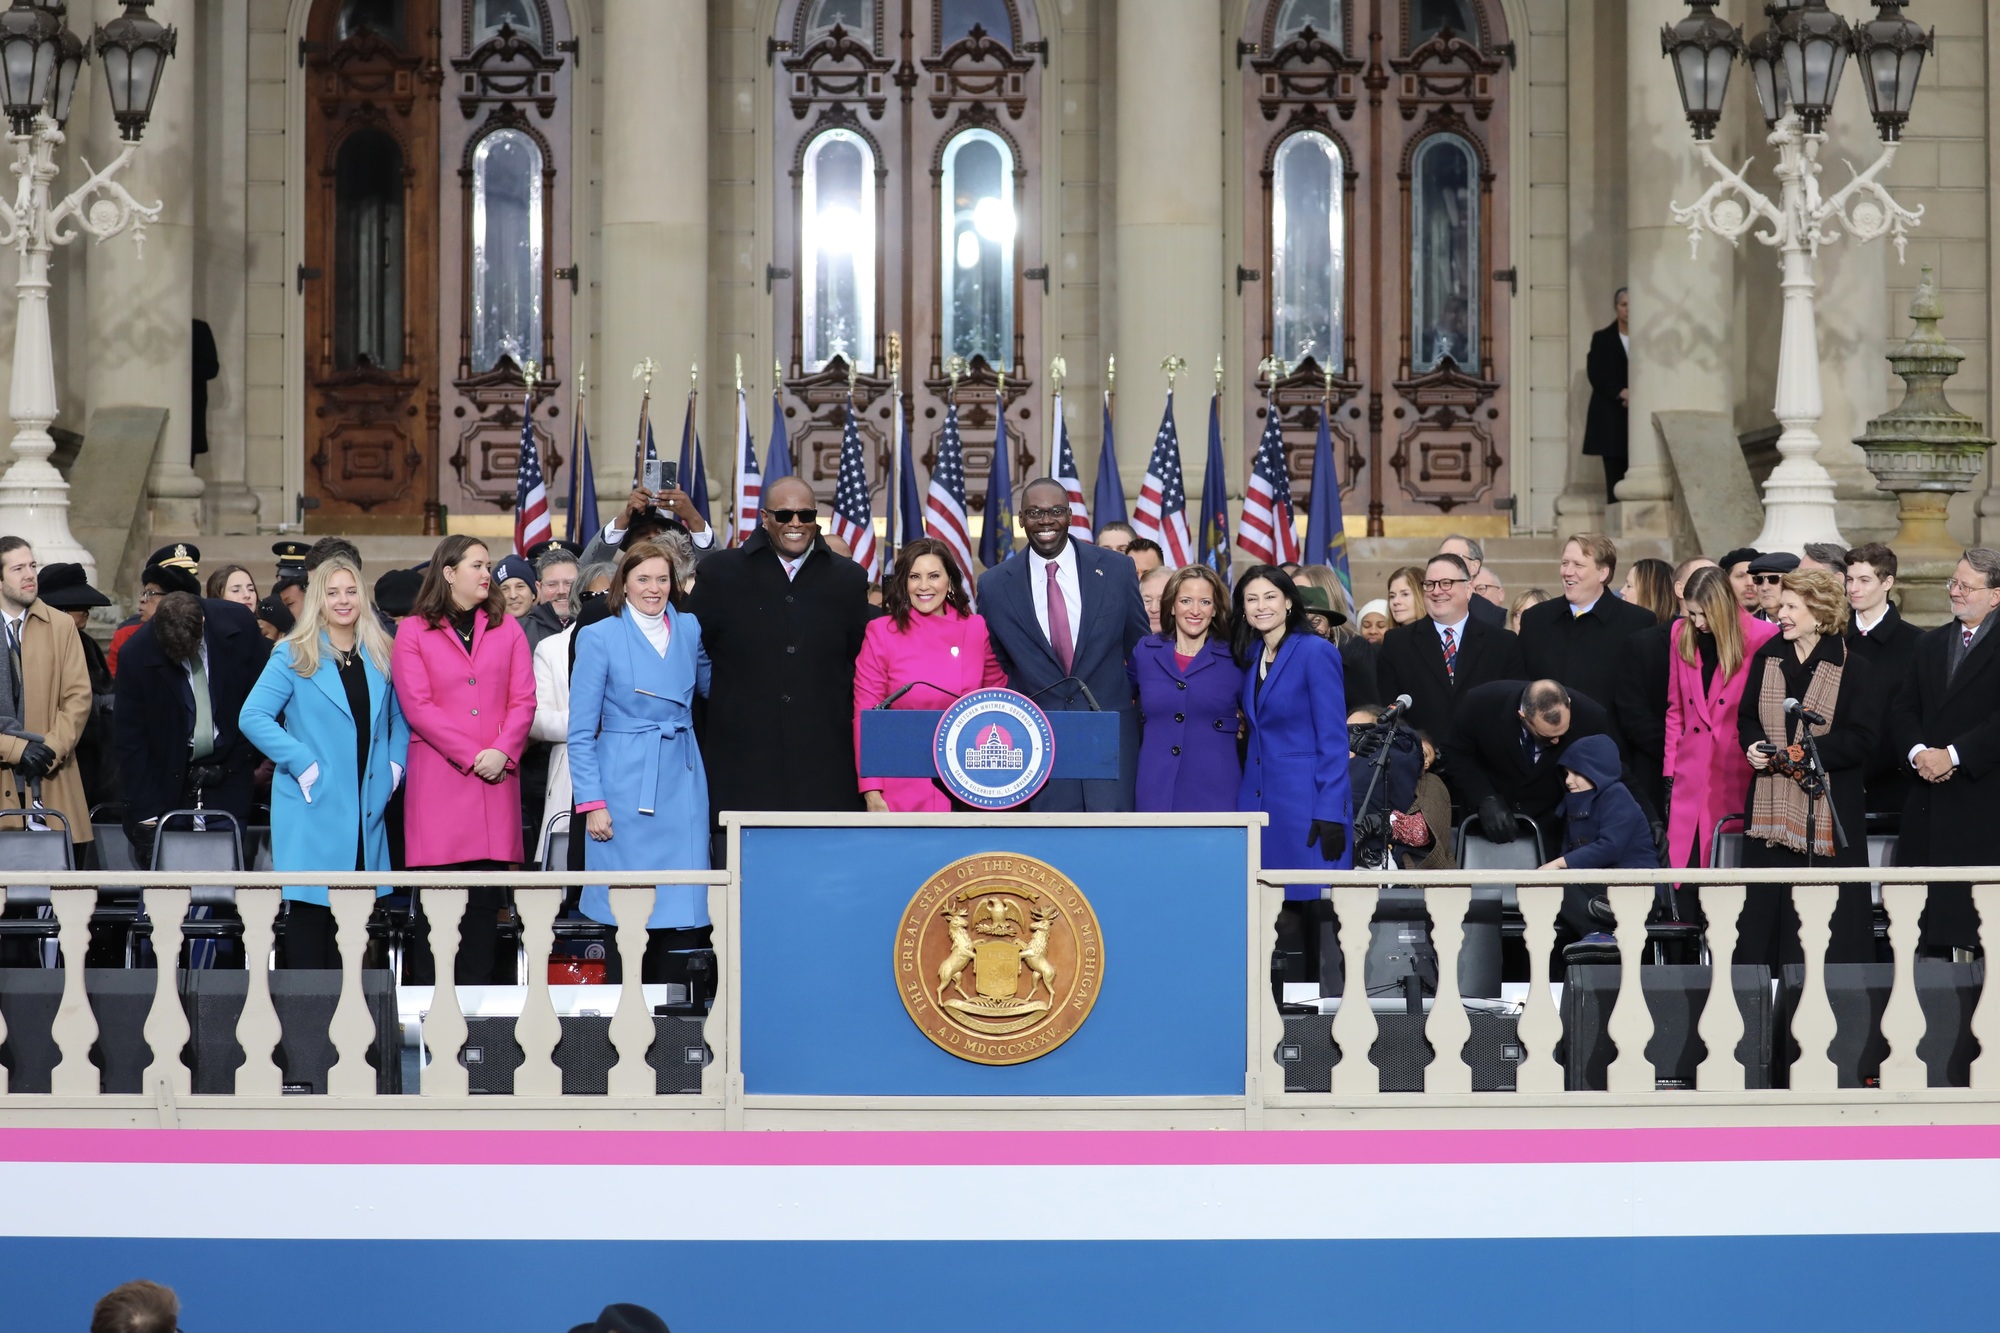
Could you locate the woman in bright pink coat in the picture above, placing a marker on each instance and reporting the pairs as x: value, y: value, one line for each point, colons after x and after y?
x: 465, y: 677
x: 929, y: 635
x: 1707, y: 669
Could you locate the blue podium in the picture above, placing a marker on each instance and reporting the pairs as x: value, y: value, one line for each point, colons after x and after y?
x: 898, y: 743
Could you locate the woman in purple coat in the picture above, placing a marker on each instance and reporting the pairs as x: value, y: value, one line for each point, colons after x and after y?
x: 1188, y: 684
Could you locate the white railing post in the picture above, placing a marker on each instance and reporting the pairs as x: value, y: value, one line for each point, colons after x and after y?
x: 1814, y: 1028
x: 76, y: 1022
x: 1267, y: 1023
x: 1540, y: 1028
x: 1631, y: 1025
x: 1903, y: 1018
x: 1986, y: 1014
x: 166, y: 1028
x: 1721, y: 1026
x: 1449, y: 1028
x: 632, y: 1027
x: 445, y: 1030
x: 353, y: 1027
x: 257, y: 1029
x: 537, y: 1031
x: 1354, y: 1027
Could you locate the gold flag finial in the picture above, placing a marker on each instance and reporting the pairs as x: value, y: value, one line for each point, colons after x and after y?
x: 1173, y: 365
x: 1329, y: 381
x: 645, y: 371
x: 530, y: 376
x: 1058, y: 372
x: 1218, y: 372
x: 896, y: 356
x: 694, y: 376
x: 956, y: 368
x: 777, y: 376
x: 1111, y: 374
x: 1273, y: 368
x: 739, y: 372
x: 853, y: 373
x: 582, y: 382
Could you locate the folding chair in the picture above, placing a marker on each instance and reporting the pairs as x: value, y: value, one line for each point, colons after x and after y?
x: 203, y: 848
x: 1487, y: 919
x: 27, y: 849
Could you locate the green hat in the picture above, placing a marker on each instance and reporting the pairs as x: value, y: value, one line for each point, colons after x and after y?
x: 1315, y: 599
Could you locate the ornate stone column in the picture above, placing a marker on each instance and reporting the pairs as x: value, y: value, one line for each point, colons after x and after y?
x: 653, y: 293
x: 1682, y: 312
x: 1169, y: 209
x: 140, y: 308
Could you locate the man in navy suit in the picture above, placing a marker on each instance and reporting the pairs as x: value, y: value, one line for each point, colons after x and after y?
x: 1068, y: 612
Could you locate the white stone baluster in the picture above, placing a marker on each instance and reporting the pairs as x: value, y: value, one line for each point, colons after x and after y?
x: 1813, y: 1025
x: 1903, y: 1020
x: 537, y: 1030
x: 1540, y: 1026
x: 632, y: 1028
x: 1986, y: 1014
x: 3, y: 1015
x: 76, y: 1023
x: 1721, y: 1025
x: 166, y: 1022
x: 1449, y: 1028
x: 718, y: 1031
x: 1266, y: 1073
x: 257, y: 1029
x: 353, y: 1028
x: 444, y: 1026
x: 1631, y: 1025
x: 1354, y: 1027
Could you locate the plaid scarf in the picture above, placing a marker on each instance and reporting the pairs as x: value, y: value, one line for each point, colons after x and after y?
x: 1777, y: 802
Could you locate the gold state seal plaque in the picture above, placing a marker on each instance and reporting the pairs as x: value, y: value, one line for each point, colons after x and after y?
x: 999, y: 958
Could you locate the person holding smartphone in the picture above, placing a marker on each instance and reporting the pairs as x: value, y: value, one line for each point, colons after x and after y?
x: 657, y: 491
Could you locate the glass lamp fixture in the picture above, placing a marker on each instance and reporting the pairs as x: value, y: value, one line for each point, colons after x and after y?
x: 1814, y: 41
x: 30, y: 48
x: 74, y: 56
x: 1891, y: 48
x: 1702, y: 47
x: 133, y: 49
x: 1766, y: 60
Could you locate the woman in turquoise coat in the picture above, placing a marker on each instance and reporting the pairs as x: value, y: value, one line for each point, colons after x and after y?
x: 639, y: 782
x: 340, y: 750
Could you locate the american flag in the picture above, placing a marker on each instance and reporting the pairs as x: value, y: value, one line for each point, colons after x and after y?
x: 1071, y: 477
x: 1267, y: 534
x: 853, y: 510
x: 531, y: 497
x: 945, y: 506
x: 1162, y: 511
x: 749, y: 481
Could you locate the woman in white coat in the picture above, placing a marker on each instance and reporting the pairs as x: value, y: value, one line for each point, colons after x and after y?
x: 551, y: 725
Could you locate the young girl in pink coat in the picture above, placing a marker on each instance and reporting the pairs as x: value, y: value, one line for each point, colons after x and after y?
x: 928, y: 635
x: 466, y: 680
x: 1706, y: 672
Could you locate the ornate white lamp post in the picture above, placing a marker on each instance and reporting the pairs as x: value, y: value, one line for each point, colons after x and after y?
x: 1796, y: 65
x: 40, y: 61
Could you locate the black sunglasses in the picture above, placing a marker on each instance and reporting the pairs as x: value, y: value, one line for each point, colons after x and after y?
x: 794, y: 515
x: 1767, y: 580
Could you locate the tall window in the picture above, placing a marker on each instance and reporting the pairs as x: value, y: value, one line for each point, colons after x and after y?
x: 960, y: 16
x: 368, y: 236
x: 1322, y: 16
x: 977, y: 234
x: 1444, y: 251
x: 1308, y: 263
x: 1430, y: 17
x: 384, y: 18
x: 507, y: 249
x: 837, y: 237
x: 520, y: 15
x: 857, y: 17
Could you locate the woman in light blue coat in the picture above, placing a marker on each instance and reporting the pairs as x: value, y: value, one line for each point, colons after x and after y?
x: 339, y: 751
x: 637, y: 772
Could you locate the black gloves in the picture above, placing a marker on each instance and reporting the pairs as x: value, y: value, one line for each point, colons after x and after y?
x: 207, y: 777
x: 36, y: 760
x: 1329, y: 836
x: 1496, y: 821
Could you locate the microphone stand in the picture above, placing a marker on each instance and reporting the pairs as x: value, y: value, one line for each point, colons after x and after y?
x: 1818, y: 785
x: 1378, y: 764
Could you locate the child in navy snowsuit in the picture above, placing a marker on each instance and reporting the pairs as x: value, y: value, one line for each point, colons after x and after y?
x: 1603, y: 829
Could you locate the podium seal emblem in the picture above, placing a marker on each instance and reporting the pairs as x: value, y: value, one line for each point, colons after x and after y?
x: 994, y: 749
x: 999, y: 958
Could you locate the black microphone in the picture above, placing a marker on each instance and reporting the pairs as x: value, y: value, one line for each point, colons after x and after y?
x: 888, y: 702
x: 1088, y: 697
x: 1799, y: 710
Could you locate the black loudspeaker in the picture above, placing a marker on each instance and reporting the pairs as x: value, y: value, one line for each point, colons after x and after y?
x: 1400, y: 1053
x: 305, y: 1002
x: 1947, y: 993
x: 1676, y: 995
x: 584, y: 1054
x: 119, y: 999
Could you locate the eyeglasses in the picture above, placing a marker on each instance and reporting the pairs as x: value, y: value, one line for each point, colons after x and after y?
x: 1442, y: 585
x: 1045, y: 515
x: 794, y: 515
x: 1953, y: 585
x: 151, y: 595
x: 1766, y: 580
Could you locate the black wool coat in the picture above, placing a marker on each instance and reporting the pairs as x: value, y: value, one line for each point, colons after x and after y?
x: 1888, y: 649
x: 1412, y: 663
x: 154, y: 715
x: 1583, y: 652
x: 1950, y: 823
x: 1607, y: 427
x: 780, y: 726
x: 1639, y: 707
x: 1484, y: 756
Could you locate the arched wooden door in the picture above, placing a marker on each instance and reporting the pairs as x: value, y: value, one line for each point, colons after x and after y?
x: 1376, y: 151
x: 369, y: 275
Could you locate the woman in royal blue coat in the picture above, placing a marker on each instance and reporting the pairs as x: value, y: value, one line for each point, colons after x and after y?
x: 1188, y: 683
x: 1294, y: 697
x: 339, y: 752
x: 637, y: 772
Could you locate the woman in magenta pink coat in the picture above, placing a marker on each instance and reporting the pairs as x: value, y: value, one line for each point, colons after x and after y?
x: 929, y: 635
x: 1706, y: 672
x: 466, y: 680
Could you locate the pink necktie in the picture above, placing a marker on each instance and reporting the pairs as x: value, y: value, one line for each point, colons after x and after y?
x: 1059, y: 635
